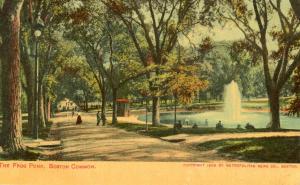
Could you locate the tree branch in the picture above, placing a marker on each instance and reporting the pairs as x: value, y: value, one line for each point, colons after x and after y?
x: 289, y: 72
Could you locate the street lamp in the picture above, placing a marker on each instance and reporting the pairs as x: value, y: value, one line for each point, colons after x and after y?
x: 147, y: 113
x: 145, y: 97
x: 37, y: 34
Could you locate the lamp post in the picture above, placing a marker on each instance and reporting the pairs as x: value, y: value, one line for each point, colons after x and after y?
x: 175, y: 109
x: 37, y: 34
x: 145, y: 97
x: 147, y: 113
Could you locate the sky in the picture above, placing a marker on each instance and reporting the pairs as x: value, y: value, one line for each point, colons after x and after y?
x: 229, y: 32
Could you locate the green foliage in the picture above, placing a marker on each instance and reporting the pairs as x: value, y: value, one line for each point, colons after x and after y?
x: 223, y: 64
x: 175, y: 78
x: 1, y: 4
x: 294, y: 107
x: 73, y: 78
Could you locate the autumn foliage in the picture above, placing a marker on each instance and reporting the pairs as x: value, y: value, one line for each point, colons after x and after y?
x: 185, y: 84
x: 294, y: 108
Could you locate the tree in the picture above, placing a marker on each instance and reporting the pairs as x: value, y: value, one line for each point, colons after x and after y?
x: 247, y: 70
x: 10, y: 58
x: 179, y: 78
x: 39, y: 15
x: 122, y: 61
x: 284, y: 34
x: 294, y: 107
x: 165, y: 22
x: 86, y: 30
x: 107, y: 50
x: 296, y: 7
x: 75, y: 81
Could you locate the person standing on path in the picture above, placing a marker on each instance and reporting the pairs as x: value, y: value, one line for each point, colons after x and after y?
x: 98, y: 118
x: 79, y: 120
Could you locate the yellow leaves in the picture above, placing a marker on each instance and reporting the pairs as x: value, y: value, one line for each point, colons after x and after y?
x: 277, y: 34
x: 206, y: 45
x: 80, y: 16
x: 172, y: 28
x: 117, y: 6
x: 240, y: 7
x: 296, y: 79
x: 294, y: 107
x: 186, y: 86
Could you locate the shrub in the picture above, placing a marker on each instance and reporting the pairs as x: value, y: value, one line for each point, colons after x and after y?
x: 238, y: 127
x: 195, y: 126
x: 178, y: 125
x: 219, y: 125
x: 249, y: 127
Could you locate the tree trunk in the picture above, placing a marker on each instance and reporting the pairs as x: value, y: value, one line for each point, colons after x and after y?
x: 11, y: 94
x: 275, y: 112
x: 42, y: 121
x: 29, y: 89
x: 296, y: 7
x: 28, y: 68
x: 46, y: 108
x: 103, y: 106
x: 155, y: 111
x: 30, y: 110
x: 86, y: 105
x: 49, y: 108
x: 114, y: 107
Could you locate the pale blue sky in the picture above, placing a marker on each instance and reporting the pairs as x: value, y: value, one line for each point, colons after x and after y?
x: 229, y: 32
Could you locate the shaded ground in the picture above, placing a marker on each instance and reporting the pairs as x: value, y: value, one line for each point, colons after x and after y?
x: 88, y: 142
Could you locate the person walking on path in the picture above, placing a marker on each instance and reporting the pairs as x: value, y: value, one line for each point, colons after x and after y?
x: 98, y: 118
x: 79, y: 120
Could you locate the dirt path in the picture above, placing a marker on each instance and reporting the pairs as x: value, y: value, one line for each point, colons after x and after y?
x: 88, y: 142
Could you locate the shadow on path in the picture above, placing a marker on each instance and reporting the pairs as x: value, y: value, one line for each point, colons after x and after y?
x: 88, y: 142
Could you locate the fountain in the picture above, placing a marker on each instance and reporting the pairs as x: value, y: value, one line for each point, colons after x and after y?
x: 232, y: 102
x: 230, y: 116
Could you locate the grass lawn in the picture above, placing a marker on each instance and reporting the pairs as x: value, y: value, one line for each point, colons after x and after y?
x: 162, y: 130
x: 274, y: 149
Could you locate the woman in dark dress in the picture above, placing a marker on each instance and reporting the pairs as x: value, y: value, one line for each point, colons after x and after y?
x: 79, y: 120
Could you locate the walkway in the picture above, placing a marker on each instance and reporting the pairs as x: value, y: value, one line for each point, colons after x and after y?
x: 88, y: 142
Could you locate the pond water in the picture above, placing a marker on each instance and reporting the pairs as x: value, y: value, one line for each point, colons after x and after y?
x: 258, y: 119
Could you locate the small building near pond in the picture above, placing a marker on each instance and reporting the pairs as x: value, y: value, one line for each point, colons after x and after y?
x: 123, y: 108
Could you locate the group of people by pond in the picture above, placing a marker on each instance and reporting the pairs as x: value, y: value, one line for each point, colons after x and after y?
x: 219, y: 125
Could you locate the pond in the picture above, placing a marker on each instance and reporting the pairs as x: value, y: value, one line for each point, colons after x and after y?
x: 258, y: 119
